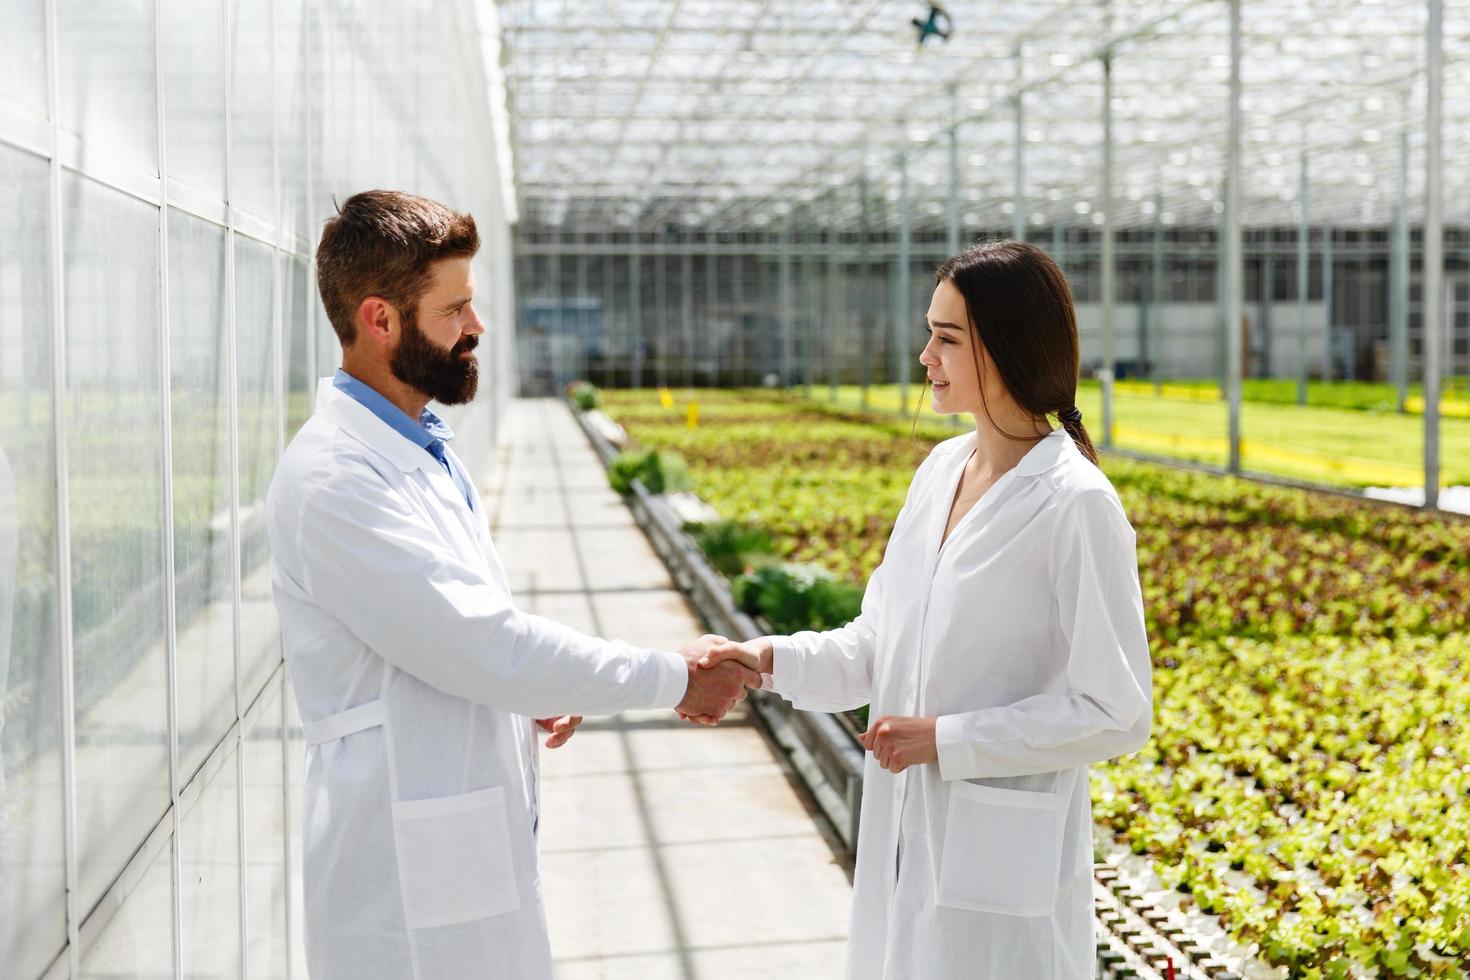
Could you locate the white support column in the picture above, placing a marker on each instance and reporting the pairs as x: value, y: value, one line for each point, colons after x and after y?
x: 905, y: 285
x: 1303, y: 282
x: 165, y: 370
x: 1151, y: 355
x: 865, y: 273
x: 661, y: 303
x: 584, y: 322
x: 1398, y: 298
x: 954, y: 176
x: 809, y: 339
x: 1434, y: 285
x: 1234, y: 265
x: 64, y: 638
x: 558, y: 370
x: 784, y: 285
x: 1018, y: 217
x: 1109, y: 260
x: 1329, y: 264
x: 686, y: 310
x: 635, y: 306
x: 834, y: 297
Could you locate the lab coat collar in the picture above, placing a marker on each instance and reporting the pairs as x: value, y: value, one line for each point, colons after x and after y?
x: 1048, y: 452
x: 342, y: 409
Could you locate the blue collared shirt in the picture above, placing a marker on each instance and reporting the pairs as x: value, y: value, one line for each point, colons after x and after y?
x: 428, y: 433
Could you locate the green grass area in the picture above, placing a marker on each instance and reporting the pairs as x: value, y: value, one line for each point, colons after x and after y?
x: 1308, y: 779
x: 1350, y: 447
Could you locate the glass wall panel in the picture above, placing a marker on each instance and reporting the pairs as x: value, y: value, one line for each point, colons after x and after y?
x: 23, y: 55
x: 114, y: 411
x: 293, y: 114
x: 203, y: 584
x: 296, y: 776
x: 138, y: 942
x: 265, y: 841
x: 260, y: 423
x: 108, y: 95
x: 328, y: 348
x: 209, y: 896
x: 194, y: 94
x: 313, y: 112
x: 32, y: 879
x: 295, y: 313
x: 252, y: 154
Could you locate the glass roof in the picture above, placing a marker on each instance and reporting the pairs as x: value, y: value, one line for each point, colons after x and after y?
x: 748, y: 114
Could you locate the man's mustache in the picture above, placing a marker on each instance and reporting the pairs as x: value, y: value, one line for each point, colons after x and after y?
x: 467, y: 344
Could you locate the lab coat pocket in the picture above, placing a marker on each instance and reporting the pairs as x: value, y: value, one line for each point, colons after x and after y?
x: 454, y: 858
x: 1002, y: 850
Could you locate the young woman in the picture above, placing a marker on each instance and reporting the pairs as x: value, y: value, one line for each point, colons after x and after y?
x: 1001, y: 646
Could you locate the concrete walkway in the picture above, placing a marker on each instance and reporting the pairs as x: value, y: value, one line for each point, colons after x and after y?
x: 667, y: 851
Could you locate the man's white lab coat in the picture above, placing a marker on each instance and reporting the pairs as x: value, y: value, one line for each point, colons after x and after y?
x: 417, y: 680
x: 1024, y: 634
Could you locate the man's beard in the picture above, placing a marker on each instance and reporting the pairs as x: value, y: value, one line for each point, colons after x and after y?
x: 448, y: 377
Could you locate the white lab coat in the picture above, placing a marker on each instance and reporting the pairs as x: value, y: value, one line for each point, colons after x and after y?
x: 417, y: 681
x: 1024, y: 635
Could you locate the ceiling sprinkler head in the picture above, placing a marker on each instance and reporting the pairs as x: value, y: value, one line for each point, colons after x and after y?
x: 938, y: 24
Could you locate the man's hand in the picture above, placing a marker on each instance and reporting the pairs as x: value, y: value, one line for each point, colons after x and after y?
x: 898, y: 743
x: 562, y: 728
x: 712, y: 691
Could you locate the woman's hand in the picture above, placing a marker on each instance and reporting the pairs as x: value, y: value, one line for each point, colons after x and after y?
x: 898, y: 743
x: 755, y: 654
x: 561, y: 728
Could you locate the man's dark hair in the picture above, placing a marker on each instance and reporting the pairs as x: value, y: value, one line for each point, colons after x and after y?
x: 384, y: 243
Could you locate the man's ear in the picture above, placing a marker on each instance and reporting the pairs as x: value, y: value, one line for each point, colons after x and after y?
x: 377, y: 320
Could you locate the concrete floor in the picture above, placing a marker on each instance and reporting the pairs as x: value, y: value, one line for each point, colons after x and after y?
x: 667, y: 850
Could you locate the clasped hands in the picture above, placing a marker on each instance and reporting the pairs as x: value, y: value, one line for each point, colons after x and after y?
x: 715, y: 686
x: 719, y: 676
x: 896, y: 742
x: 721, y: 671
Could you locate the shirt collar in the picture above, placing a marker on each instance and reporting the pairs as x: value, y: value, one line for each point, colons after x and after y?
x: 422, y: 433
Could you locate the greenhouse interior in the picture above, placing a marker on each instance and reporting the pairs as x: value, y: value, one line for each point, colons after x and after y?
x: 709, y: 252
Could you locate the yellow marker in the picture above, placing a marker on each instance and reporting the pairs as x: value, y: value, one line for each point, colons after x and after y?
x: 666, y: 398
x: 693, y: 415
x: 1448, y: 407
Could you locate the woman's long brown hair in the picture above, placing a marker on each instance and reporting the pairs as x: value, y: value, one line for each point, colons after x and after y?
x: 1021, y: 308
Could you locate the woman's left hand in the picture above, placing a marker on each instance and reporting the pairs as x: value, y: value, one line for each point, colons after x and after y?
x: 898, y: 743
x: 561, y: 728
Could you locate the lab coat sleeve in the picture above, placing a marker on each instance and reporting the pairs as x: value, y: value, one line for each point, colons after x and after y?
x: 1107, y: 707
x: 832, y: 670
x: 373, y: 563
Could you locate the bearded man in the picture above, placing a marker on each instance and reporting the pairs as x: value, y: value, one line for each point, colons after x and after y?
x: 420, y: 683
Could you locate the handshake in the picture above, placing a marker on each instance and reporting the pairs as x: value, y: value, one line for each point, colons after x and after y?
x: 720, y: 672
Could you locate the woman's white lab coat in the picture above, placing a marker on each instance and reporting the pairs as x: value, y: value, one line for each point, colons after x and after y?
x: 1024, y: 634
x: 417, y: 680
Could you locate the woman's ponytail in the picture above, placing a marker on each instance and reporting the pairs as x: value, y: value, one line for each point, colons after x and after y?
x: 1071, y: 419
